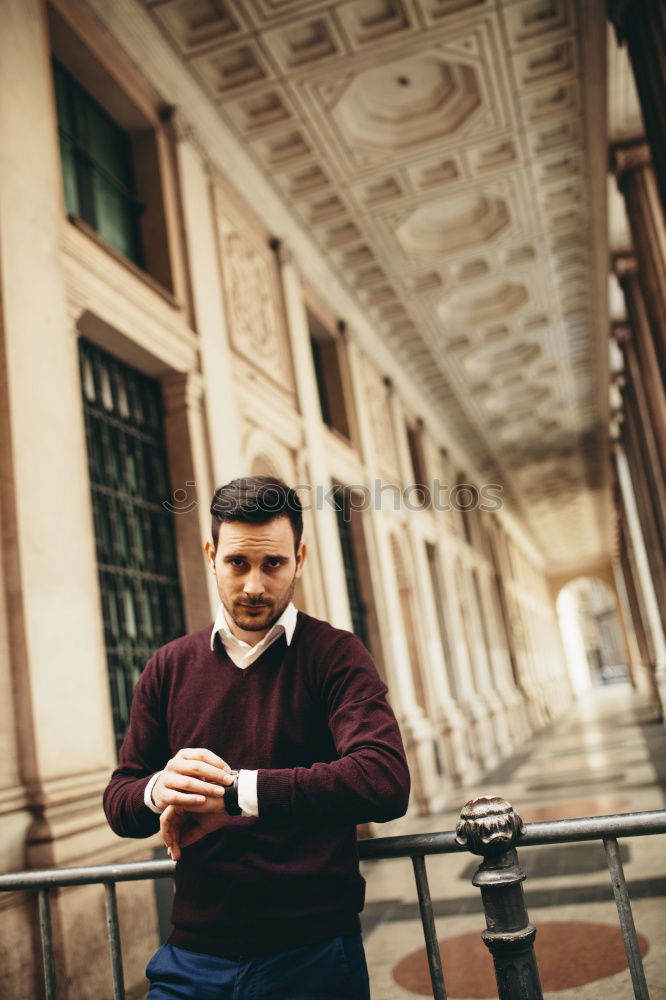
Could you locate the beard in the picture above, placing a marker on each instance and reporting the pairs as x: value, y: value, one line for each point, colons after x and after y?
x: 258, y: 614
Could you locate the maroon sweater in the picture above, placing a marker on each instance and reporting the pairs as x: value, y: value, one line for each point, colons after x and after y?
x: 312, y: 717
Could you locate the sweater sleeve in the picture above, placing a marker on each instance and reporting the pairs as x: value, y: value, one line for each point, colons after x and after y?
x: 370, y: 780
x: 144, y: 751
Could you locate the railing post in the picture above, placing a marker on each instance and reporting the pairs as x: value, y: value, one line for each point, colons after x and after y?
x: 490, y: 827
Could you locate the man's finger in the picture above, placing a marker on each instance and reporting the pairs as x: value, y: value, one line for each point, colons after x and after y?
x: 195, y: 786
x: 195, y: 768
x: 170, y: 824
x: 175, y: 798
x: 201, y: 753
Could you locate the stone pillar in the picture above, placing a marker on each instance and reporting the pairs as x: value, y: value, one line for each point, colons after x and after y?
x: 417, y: 730
x: 63, y: 751
x: 641, y: 432
x: 220, y: 402
x: 192, y: 490
x: 636, y: 180
x: 325, y: 519
x: 56, y: 639
x: 654, y: 623
x: 449, y: 719
x: 643, y: 347
x: 641, y: 24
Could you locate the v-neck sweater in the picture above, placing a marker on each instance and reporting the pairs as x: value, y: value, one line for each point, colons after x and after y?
x: 313, y: 720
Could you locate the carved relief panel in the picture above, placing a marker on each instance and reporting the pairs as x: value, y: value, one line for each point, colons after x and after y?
x: 380, y: 419
x: 252, y: 291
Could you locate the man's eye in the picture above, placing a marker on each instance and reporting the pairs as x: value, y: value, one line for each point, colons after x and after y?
x: 274, y: 563
x: 237, y: 562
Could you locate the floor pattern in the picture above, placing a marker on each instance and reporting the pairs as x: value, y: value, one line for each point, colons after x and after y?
x: 608, y: 756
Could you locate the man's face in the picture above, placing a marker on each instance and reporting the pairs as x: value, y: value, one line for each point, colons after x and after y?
x: 256, y: 570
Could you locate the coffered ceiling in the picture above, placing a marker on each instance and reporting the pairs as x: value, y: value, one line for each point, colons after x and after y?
x: 449, y: 158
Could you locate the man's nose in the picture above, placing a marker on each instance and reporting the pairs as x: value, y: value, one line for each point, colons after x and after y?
x: 254, y: 584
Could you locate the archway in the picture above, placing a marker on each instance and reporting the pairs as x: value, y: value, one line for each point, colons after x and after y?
x: 592, y: 633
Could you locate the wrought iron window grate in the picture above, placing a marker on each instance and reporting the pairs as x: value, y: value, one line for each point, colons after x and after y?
x: 136, y: 551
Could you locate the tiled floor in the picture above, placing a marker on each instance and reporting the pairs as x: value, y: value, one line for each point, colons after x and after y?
x: 608, y: 756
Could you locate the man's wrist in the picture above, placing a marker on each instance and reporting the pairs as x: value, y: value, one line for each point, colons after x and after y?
x: 148, y: 798
x: 247, y: 792
x: 231, y: 803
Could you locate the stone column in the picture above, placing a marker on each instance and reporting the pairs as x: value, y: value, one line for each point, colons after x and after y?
x: 325, y: 519
x: 649, y: 376
x: 63, y: 751
x: 639, y: 469
x: 192, y: 491
x: 641, y: 24
x: 204, y: 269
x: 636, y: 180
x: 449, y: 718
x: 56, y: 638
x: 416, y: 727
x: 654, y: 623
x: 642, y: 431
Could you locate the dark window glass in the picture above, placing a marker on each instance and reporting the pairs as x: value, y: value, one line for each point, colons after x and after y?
x: 350, y: 562
x: 97, y: 170
x: 329, y: 378
x: 136, y: 551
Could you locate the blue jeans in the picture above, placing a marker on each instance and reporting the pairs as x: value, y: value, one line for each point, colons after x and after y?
x: 335, y: 970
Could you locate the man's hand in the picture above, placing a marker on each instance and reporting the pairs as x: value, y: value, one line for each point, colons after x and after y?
x: 180, y: 828
x: 193, y: 781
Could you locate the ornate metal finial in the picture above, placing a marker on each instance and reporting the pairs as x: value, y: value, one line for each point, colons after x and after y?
x: 488, y: 825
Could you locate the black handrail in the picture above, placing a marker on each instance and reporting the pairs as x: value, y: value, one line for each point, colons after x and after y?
x: 488, y: 827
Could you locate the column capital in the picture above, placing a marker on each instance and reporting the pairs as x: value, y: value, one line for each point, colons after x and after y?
x: 616, y: 11
x: 624, y: 265
x: 182, y: 390
x: 283, y: 252
x: 184, y: 130
x: 621, y: 331
x: 627, y: 156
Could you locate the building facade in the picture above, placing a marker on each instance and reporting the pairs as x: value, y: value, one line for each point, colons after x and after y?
x: 166, y: 325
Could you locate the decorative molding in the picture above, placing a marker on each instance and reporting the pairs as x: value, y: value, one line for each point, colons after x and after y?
x: 252, y: 290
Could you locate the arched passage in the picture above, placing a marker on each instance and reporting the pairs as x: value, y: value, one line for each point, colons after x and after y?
x: 592, y: 633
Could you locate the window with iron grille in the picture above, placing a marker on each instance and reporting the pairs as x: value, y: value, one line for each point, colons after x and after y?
x: 349, y: 559
x: 97, y: 167
x: 136, y: 551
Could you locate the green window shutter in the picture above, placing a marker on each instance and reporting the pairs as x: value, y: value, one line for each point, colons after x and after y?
x: 97, y: 169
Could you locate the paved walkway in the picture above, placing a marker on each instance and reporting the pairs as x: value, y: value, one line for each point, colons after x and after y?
x: 608, y: 756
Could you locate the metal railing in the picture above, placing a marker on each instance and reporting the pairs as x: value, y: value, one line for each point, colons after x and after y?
x: 488, y: 827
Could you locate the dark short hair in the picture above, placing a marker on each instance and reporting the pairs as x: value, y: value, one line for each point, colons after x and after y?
x: 256, y: 500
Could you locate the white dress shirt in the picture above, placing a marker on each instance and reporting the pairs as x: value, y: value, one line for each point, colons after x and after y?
x: 242, y: 654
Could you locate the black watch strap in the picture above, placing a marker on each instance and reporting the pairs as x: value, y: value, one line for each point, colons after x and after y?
x: 231, y: 797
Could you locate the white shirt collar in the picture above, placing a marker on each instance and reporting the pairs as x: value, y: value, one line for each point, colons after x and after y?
x: 286, y: 623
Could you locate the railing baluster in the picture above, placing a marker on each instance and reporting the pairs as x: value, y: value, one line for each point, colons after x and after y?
x: 48, y: 957
x: 490, y: 827
x: 429, y: 930
x: 623, y: 904
x: 113, y: 933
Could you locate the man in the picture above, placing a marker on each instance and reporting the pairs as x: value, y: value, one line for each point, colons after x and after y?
x: 268, y: 888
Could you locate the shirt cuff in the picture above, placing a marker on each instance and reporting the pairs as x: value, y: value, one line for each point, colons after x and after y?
x: 148, y: 794
x: 247, y: 793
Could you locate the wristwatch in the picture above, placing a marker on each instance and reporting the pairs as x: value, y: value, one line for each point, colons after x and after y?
x: 231, y: 797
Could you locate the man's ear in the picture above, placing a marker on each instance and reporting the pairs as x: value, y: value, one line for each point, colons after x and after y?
x: 209, y: 552
x: 301, y: 553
